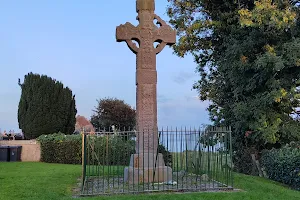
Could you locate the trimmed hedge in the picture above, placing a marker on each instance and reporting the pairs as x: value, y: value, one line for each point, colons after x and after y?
x: 283, y: 165
x: 109, y: 151
x: 60, y: 148
x: 117, y: 151
x: 67, y: 149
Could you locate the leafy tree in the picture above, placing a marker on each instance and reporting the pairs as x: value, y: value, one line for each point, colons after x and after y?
x: 45, y: 107
x: 112, y: 111
x: 248, y: 57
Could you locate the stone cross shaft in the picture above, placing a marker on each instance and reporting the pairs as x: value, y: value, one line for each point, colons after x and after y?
x: 146, y: 34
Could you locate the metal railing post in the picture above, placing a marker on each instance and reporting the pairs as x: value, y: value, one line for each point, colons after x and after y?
x: 83, y: 161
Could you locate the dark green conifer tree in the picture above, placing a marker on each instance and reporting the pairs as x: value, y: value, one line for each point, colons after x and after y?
x: 45, y: 107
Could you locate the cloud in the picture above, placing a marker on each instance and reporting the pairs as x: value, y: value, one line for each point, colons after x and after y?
x: 182, y: 77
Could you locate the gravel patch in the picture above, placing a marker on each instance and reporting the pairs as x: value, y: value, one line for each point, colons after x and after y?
x: 116, y: 185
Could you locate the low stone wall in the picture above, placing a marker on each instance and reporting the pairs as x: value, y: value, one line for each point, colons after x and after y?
x: 31, y: 149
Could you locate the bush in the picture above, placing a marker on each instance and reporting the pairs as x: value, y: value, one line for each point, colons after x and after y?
x: 283, y: 165
x: 109, y: 150
x: 117, y: 151
x: 67, y: 149
x: 243, y: 162
x: 60, y: 148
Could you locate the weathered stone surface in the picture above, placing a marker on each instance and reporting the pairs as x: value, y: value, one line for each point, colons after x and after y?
x: 134, y: 175
x: 146, y: 160
x: 145, y: 5
x: 143, y: 166
x: 146, y: 34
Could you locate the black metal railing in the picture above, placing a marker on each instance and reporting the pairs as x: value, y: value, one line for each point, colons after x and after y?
x: 151, y: 161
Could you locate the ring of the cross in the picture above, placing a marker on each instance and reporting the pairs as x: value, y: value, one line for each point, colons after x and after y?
x: 159, y: 20
x: 160, y: 47
x: 132, y: 46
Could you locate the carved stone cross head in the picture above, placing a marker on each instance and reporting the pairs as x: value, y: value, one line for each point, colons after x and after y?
x: 145, y: 5
x: 146, y: 33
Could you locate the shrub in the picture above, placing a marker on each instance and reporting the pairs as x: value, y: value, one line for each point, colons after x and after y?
x: 283, y: 165
x: 109, y: 150
x: 60, y: 148
x: 243, y: 162
x: 67, y: 149
x: 117, y: 151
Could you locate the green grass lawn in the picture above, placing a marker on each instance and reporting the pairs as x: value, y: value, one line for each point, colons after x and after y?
x: 41, y: 181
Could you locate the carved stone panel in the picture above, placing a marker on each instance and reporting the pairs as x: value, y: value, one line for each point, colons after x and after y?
x: 147, y: 99
x: 145, y: 76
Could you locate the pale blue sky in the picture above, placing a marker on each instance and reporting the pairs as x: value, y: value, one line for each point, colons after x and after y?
x: 74, y: 42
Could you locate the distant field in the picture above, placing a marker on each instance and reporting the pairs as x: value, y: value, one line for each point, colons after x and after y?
x: 215, y: 165
x: 203, y: 160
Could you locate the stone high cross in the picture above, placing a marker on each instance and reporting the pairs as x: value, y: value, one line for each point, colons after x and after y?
x: 146, y: 34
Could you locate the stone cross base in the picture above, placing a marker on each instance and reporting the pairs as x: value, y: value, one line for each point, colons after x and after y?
x: 143, y: 169
x: 145, y: 175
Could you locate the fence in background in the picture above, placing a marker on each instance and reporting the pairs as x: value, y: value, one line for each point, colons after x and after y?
x: 167, y: 160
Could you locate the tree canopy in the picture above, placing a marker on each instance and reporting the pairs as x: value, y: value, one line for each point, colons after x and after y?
x: 248, y: 58
x: 113, y: 111
x: 45, y: 107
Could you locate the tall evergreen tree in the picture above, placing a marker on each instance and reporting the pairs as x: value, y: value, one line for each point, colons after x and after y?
x: 45, y: 107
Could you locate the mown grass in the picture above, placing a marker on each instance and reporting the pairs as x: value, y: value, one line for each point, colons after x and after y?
x: 37, y: 180
x: 41, y: 181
